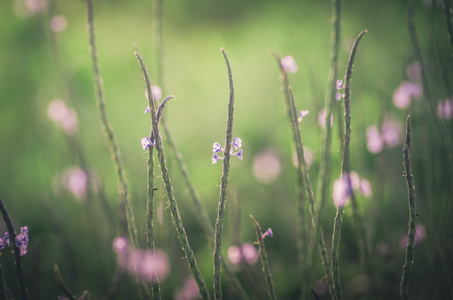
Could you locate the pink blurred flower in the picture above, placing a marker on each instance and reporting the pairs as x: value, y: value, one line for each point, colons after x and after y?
x: 365, y: 188
x: 308, y: 155
x: 302, y: 114
x: 234, y: 255
x: 266, y: 166
x: 322, y: 118
x: 389, y: 135
x: 249, y: 253
x: 63, y: 116
x: 142, y: 265
x: 341, y: 192
x: 58, y: 23
x: 75, y: 180
x: 445, y: 109
x: 289, y: 64
x: 407, y: 91
x: 189, y: 291
x: 375, y: 143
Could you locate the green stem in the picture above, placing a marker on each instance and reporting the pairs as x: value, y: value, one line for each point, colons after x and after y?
x: 224, y: 183
x: 12, y: 237
x: 264, y: 260
x: 412, y: 213
x: 180, y: 230
x: 303, y: 168
x: 447, y: 11
x: 61, y: 283
x: 125, y: 206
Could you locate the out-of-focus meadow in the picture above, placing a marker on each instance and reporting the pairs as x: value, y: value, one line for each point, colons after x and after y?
x: 44, y: 56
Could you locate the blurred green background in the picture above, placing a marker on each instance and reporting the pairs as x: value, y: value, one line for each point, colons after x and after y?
x: 39, y: 63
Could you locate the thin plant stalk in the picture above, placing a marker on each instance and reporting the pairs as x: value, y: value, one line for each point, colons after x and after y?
x: 345, y: 170
x: 446, y: 4
x: 264, y: 260
x: 62, y: 285
x: 441, y: 128
x: 12, y: 237
x: 412, y: 214
x: 224, y: 183
x: 303, y: 168
x: 330, y: 102
x: 125, y: 206
x: 181, y: 232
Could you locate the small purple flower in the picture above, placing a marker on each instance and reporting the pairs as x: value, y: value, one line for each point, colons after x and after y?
x: 146, y: 142
x: 239, y: 154
x: 215, y: 159
x: 339, y: 85
x: 289, y: 64
x: 445, y: 109
x: 249, y: 253
x: 2, y: 244
x: 147, y: 110
x: 216, y: 147
x: 237, y: 143
x: 302, y: 114
x: 267, y: 233
x: 338, y: 96
x: 341, y: 192
x: 22, y: 240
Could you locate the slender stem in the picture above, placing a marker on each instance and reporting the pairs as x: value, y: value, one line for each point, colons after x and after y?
x: 345, y: 170
x: 224, y: 183
x: 264, y: 260
x: 441, y: 128
x: 412, y: 213
x: 303, y: 168
x: 12, y: 237
x: 61, y: 283
x: 125, y: 206
x: 447, y: 11
x: 182, y: 236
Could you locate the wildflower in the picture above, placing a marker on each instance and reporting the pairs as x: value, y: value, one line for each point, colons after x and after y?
x: 266, y: 166
x: 445, y: 109
x: 338, y: 96
x: 143, y: 265
x: 302, y: 114
x: 22, y: 240
x: 249, y: 253
x: 75, y: 180
x: 58, y: 23
x: 156, y: 92
x: 289, y: 64
x: 339, y: 84
x: 420, y: 233
x: 63, y: 116
x: 267, y: 233
x: 146, y: 142
x: 6, y: 238
x: 2, y: 244
x: 341, y: 192
x: 375, y: 143
x: 407, y: 91
x: 234, y: 255
x: 365, y: 188
x: 189, y: 291
x: 389, y: 135
x: 216, y: 148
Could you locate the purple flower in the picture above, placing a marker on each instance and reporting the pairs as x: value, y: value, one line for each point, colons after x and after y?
x: 289, y: 64
x: 267, y: 233
x: 339, y: 85
x: 6, y: 238
x: 302, y: 114
x: 215, y: 158
x: 146, y: 142
x: 407, y: 91
x: 239, y: 154
x: 338, y: 96
x: 2, y: 244
x: 341, y: 192
x: 249, y: 253
x: 445, y: 109
x: 22, y: 240
x: 237, y: 143
x: 216, y: 147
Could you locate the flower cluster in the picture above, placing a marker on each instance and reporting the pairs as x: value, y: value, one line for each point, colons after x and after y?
x: 389, y: 135
x: 289, y: 64
x: 405, y: 92
x: 156, y: 93
x: 247, y: 252
x: 142, y: 265
x: 64, y: 117
x: 339, y: 85
x: 342, y: 192
x: 21, y: 240
x: 216, y: 148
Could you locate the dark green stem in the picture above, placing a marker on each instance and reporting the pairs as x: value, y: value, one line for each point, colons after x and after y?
x: 180, y: 230
x: 62, y: 285
x: 224, y: 184
x: 412, y: 213
x: 264, y: 260
x: 447, y: 11
x: 12, y: 237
